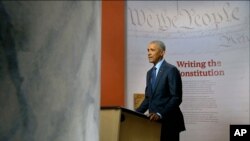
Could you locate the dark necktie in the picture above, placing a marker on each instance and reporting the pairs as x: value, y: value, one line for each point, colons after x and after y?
x: 153, y: 77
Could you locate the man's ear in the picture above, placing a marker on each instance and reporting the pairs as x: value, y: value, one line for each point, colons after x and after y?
x: 162, y: 53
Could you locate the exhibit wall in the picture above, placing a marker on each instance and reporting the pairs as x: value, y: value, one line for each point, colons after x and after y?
x: 208, y: 41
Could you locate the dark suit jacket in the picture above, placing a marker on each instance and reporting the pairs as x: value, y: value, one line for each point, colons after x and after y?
x: 165, y: 98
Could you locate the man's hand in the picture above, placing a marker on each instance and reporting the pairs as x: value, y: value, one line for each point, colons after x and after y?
x: 154, y: 117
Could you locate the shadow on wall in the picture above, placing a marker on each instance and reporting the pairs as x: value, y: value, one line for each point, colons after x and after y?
x: 12, y: 99
x: 49, y: 70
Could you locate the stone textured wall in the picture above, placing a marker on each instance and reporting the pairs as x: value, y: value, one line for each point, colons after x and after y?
x: 49, y: 70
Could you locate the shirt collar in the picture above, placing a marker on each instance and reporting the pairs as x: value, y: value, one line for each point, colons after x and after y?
x: 158, y: 65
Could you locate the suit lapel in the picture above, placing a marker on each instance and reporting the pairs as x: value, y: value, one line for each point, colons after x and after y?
x: 159, y: 75
x: 149, y: 81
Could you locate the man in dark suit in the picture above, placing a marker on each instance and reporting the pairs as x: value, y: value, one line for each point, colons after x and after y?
x: 163, y: 94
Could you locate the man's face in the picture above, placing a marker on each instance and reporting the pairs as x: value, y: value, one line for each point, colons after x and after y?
x: 155, y: 53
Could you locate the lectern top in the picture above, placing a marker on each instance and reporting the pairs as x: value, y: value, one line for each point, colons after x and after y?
x: 125, y: 110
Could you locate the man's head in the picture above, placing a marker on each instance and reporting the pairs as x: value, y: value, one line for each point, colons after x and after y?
x: 156, y: 51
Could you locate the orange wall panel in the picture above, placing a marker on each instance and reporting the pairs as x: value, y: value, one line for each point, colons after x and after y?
x: 113, y: 53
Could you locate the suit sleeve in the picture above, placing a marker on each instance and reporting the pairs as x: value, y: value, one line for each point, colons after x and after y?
x: 144, y: 105
x: 175, y: 90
